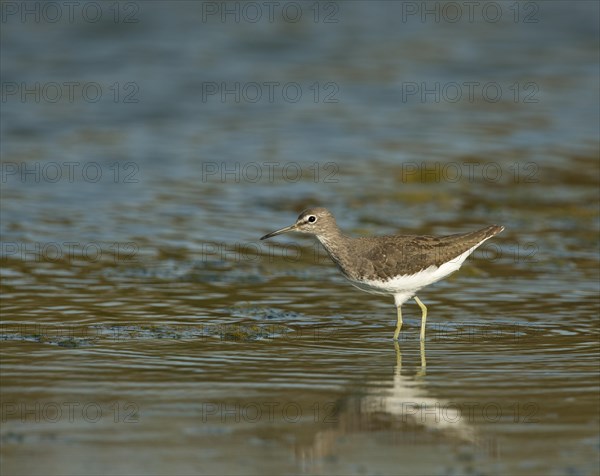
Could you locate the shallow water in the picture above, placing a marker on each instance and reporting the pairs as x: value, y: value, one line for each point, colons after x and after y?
x: 146, y: 329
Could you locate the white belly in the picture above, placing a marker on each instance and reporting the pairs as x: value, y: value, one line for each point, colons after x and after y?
x: 406, y: 286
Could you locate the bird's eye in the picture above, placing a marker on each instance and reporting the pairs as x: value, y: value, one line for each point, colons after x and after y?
x: 312, y: 219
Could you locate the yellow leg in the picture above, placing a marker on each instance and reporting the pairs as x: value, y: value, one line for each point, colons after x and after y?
x: 399, y: 325
x: 423, y: 371
x: 423, y: 316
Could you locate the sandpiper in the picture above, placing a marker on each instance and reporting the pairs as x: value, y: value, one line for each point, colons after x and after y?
x: 396, y: 265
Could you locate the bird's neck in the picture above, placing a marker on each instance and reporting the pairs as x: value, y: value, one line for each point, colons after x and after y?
x: 337, y: 246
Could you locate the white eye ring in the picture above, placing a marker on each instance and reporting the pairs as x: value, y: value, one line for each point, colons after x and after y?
x: 311, y: 219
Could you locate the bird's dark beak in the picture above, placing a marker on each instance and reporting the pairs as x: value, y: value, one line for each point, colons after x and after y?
x: 279, y: 232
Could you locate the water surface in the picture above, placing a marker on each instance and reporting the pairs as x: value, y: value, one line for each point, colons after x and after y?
x: 146, y: 329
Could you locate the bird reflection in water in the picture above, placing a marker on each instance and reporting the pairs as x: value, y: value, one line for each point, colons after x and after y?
x: 399, y: 410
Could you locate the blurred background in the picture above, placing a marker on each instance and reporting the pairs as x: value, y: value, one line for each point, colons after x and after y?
x: 146, y: 146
